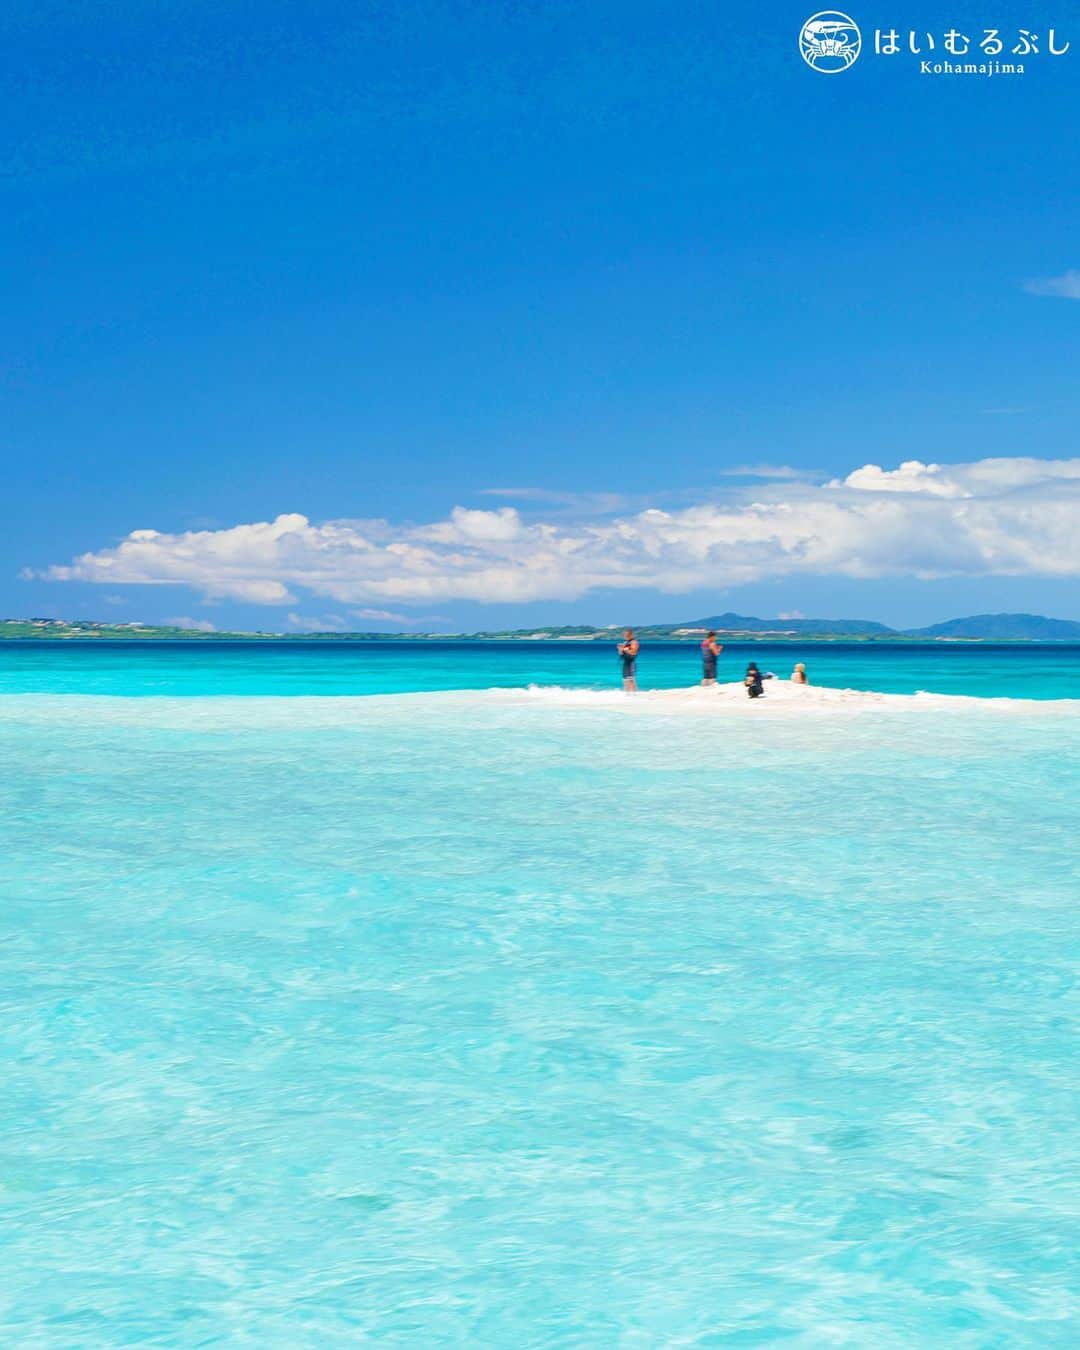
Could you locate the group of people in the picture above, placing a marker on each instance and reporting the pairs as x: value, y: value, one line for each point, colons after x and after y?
x: 754, y: 677
x: 710, y: 653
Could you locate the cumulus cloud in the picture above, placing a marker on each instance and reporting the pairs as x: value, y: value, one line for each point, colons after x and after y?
x: 911, y: 476
x: 991, y: 517
x: 984, y: 479
x: 1066, y: 286
x: 196, y: 625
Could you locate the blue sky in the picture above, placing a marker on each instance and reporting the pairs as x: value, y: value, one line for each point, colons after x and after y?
x: 554, y: 263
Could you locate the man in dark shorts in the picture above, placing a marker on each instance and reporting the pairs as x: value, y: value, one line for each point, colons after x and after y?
x: 628, y: 650
x: 710, y: 650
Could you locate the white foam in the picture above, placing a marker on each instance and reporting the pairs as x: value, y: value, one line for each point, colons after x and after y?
x: 780, y: 696
x: 781, y: 699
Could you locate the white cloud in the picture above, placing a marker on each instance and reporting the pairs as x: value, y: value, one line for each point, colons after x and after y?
x: 196, y: 625
x: 475, y: 527
x: 599, y: 503
x: 386, y: 615
x: 765, y: 471
x: 991, y: 517
x: 338, y: 623
x: 324, y: 623
x: 1066, y: 286
x: 986, y: 478
x: 911, y: 476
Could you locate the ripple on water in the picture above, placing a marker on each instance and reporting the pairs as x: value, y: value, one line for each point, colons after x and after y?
x: 490, y: 1020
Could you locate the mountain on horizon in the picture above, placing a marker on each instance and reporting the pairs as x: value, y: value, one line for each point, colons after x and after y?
x: 987, y: 627
x: 1030, y: 627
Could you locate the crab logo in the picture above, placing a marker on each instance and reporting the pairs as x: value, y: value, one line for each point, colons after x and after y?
x: 830, y: 41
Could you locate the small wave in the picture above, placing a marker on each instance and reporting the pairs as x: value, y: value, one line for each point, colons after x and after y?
x: 780, y: 699
x: 779, y: 696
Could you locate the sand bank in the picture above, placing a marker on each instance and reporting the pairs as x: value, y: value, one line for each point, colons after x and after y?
x: 781, y: 697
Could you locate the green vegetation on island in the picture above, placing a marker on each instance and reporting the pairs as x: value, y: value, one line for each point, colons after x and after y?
x: 88, y: 628
x: 729, y: 627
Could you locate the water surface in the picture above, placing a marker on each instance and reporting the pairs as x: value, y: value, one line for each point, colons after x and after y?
x: 490, y: 1019
x: 1048, y: 671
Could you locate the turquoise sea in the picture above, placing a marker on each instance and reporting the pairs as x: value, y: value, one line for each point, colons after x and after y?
x: 329, y: 667
x: 368, y: 995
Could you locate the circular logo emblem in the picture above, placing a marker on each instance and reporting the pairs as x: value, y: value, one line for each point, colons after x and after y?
x: 830, y: 41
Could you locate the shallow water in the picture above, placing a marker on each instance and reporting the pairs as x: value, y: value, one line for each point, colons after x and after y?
x: 491, y: 1019
x: 343, y: 668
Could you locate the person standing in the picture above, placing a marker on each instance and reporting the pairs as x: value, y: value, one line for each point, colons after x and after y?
x: 710, y: 650
x: 628, y: 650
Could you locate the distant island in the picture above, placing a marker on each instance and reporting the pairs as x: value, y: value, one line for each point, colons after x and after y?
x: 729, y: 627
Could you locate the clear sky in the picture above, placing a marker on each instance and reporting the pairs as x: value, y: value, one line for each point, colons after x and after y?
x: 590, y: 272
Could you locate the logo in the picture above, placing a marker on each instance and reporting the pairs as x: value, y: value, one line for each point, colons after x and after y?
x: 830, y: 41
